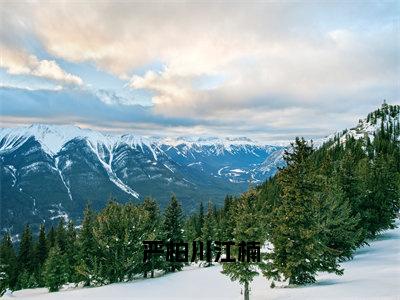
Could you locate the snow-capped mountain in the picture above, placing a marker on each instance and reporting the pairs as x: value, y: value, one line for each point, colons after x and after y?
x: 384, y: 117
x: 52, y: 171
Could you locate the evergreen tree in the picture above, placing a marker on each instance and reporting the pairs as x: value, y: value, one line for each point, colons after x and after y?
x: 295, y: 232
x: 71, y: 251
x: 227, y: 220
x: 51, y: 238
x: 209, y: 227
x: 87, y: 247
x: 200, y: 221
x: 4, y: 280
x: 248, y: 227
x: 340, y: 231
x: 8, y: 264
x: 26, y: 280
x: 61, y: 236
x: 152, y: 230
x: 55, y: 269
x: 40, y: 254
x: 190, y: 230
x: 208, y: 230
x: 172, y: 229
x: 41, y: 246
x: 25, y: 258
x: 379, y: 199
x: 119, y: 232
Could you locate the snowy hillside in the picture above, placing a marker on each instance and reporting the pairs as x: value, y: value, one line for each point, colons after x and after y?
x: 53, y: 137
x: 52, y: 171
x: 384, y: 117
x: 373, y: 274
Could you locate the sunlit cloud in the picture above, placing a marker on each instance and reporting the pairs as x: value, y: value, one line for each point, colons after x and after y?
x: 17, y: 62
x: 277, y: 68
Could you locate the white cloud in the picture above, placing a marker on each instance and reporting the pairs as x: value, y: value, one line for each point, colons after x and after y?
x: 18, y: 62
x: 283, y: 65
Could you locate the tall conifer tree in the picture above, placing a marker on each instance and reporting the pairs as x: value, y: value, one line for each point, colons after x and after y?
x: 172, y: 229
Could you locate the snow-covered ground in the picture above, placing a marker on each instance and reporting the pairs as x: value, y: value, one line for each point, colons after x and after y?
x: 373, y: 274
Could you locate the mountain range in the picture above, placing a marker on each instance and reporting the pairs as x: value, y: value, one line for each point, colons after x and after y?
x: 53, y: 171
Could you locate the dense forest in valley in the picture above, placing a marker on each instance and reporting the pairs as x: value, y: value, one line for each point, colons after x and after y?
x: 312, y: 215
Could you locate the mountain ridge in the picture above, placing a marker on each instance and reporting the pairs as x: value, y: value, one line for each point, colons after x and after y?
x: 48, y: 171
x: 52, y: 171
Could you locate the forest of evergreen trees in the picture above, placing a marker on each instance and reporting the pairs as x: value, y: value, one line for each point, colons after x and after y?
x: 312, y: 215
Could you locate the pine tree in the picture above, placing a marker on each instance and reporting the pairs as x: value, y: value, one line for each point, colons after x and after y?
x: 152, y: 230
x: 208, y: 230
x: 40, y: 254
x: 25, y: 258
x: 41, y: 247
x: 51, y: 238
x: 248, y: 227
x: 136, y: 221
x: 295, y: 232
x: 379, y: 199
x: 71, y: 251
x: 190, y: 230
x: 209, y: 227
x: 200, y: 221
x: 227, y: 221
x: 4, y: 280
x: 119, y: 232
x: 55, y: 271
x: 25, y: 281
x: 340, y: 231
x: 61, y: 236
x: 8, y: 264
x: 87, y: 247
x: 172, y: 229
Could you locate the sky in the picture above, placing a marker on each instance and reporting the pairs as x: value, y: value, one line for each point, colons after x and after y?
x: 268, y: 70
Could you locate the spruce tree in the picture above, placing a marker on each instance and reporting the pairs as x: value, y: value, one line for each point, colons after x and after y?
x: 71, y: 251
x: 379, y: 199
x: 4, y: 280
x: 248, y: 227
x: 200, y: 221
x: 172, y: 229
x: 8, y: 264
x: 350, y: 181
x: 51, y: 238
x: 119, y: 232
x: 86, y: 247
x: 295, y: 232
x: 55, y: 271
x: 340, y: 231
x: 25, y: 258
x: 190, y: 230
x: 153, y: 233
x: 41, y: 247
x: 61, y: 236
x: 209, y: 227
x: 25, y: 281
x: 40, y: 254
x: 227, y: 223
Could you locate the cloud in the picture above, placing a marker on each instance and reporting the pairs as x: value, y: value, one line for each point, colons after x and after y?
x: 18, y: 62
x: 281, y: 67
x: 24, y: 106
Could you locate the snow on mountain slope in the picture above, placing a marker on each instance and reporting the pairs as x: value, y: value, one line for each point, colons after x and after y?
x: 54, y: 137
x: 67, y: 166
x: 373, y: 274
x: 386, y: 116
x: 272, y: 162
x: 51, y: 137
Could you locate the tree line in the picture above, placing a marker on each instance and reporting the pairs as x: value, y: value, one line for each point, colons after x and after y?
x: 311, y: 216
